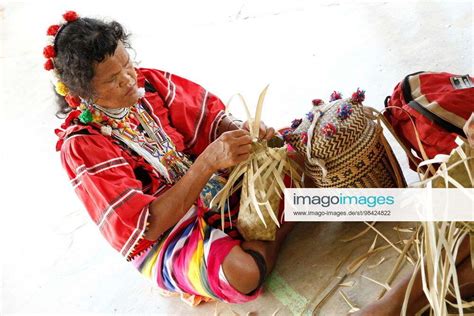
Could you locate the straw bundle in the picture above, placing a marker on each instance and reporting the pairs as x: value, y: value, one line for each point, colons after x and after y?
x: 439, y: 242
x: 262, y: 183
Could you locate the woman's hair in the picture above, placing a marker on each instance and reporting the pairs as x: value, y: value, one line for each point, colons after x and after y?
x: 79, y: 46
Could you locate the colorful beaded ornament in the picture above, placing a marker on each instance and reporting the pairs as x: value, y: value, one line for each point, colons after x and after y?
x: 295, y: 123
x: 151, y: 142
x: 328, y: 130
x: 335, y: 95
x: 344, y: 111
x: 358, y: 96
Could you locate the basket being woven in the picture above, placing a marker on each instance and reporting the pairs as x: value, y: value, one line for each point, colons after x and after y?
x: 261, y: 178
x: 343, y: 148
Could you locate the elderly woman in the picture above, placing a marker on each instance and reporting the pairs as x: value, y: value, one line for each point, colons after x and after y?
x: 145, y: 151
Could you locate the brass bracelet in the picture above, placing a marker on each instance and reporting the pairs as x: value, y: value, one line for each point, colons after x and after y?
x: 232, y: 123
x: 239, y: 124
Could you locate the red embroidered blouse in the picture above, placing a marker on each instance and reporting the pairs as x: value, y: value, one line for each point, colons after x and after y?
x: 115, y: 184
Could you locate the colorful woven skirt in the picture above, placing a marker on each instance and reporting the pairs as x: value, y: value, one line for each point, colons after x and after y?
x: 188, y: 260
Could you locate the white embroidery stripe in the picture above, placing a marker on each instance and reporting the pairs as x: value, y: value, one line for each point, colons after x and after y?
x: 96, y: 172
x: 137, y: 232
x: 76, y: 135
x: 157, y: 120
x: 198, y: 126
x: 111, y: 207
x: 70, y: 128
x: 168, y: 87
x: 106, y: 165
x: 159, y: 190
x: 66, y: 131
x: 215, y: 125
x: 173, y: 89
x: 76, y: 185
x: 109, y: 167
x: 100, y: 163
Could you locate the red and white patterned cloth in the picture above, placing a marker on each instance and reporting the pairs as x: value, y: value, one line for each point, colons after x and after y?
x: 116, y: 185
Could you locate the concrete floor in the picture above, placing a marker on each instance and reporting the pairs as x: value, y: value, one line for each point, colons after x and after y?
x: 54, y: 261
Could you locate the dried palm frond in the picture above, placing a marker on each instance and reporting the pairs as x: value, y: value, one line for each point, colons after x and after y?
x: 362, y: 233
x: 353, y: 307
x: 440, y: 241
x: 261, y: 179
x: 437, y: 243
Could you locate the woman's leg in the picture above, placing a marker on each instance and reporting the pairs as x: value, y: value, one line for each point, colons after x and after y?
x: 392, y: 302
x: 242, y: 270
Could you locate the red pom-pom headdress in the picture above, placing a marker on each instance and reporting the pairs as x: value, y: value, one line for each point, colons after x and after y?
x: 49, y: 51
x: 70, y: 16
x: 48, y: 65
x: 53, y: 30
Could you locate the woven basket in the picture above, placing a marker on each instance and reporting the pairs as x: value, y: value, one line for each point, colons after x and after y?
x: 262, y: 183
x: 249, y: 222
x: 346, y: 148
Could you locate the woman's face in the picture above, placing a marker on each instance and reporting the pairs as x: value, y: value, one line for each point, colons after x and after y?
x: 115, y: 81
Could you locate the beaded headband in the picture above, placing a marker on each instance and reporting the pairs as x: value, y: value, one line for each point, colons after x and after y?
x: 49, y: 52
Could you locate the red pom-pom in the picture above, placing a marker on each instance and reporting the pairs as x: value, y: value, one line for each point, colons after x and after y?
x: 73, y: 101
x: 317, y: 102
x: 53, y: 30
x: 358, y: 96
x: 49, y: 51
x: 70, y: 16
x: 335, y: 95
x: 48, y: 65
x: 328, y: 130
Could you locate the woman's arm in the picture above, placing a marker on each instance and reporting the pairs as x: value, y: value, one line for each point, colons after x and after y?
x: 226, y: 151
x: 229, y: 123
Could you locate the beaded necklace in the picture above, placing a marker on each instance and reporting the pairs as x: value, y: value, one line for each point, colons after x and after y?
x: 150, y: 141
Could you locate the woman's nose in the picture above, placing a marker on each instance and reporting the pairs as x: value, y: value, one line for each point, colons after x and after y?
x: 127, y: 80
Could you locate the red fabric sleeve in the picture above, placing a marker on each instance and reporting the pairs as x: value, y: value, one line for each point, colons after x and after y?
x: 106, y: 184
x: 192, y: 110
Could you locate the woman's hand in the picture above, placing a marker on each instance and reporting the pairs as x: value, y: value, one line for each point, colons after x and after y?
x: 469, y: 130
x: 264, y: 132
x: 228, y: 150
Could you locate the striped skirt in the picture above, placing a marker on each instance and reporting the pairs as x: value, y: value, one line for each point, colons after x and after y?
x: 188, y: 259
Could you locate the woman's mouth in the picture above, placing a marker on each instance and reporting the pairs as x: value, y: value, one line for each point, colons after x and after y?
x: 129, y: 92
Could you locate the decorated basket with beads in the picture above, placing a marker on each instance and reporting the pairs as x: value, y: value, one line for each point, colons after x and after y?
x: 343, y: 148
